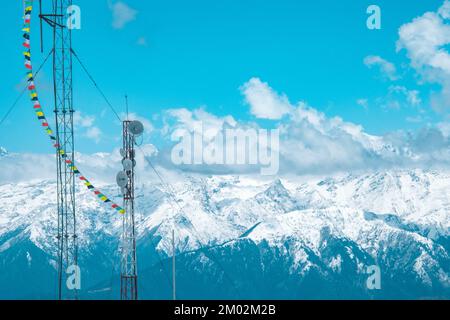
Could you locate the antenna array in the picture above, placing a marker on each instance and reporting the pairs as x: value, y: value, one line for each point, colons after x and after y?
x: 125, y: 180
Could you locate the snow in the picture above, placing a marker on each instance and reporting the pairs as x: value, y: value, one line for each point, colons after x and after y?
x: 212, y: 210
x: 29, y: 259
x: 3, y: 152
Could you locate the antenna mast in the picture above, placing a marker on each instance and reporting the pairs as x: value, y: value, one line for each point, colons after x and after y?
x: 125, y: 180
x: 63, y: 109
x: 174, y: 275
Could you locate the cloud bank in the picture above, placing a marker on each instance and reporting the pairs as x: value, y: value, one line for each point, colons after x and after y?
x: 426, y: 41
x: 310, y: 144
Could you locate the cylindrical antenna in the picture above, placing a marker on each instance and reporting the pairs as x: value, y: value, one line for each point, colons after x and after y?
x: 126, y: 105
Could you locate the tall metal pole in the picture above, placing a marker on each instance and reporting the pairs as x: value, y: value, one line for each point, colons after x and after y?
x: 174, y: 277
x: 63, y: 109
x: 128, y: 277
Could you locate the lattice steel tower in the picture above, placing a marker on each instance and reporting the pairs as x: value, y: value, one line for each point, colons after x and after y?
x: 125, y: 179
x: 63, y: 109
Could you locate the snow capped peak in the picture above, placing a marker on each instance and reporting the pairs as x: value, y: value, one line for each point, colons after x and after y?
x: 3, y: 152
x: 365, y: 213
x: 277, y: 189
x: 277, y: 198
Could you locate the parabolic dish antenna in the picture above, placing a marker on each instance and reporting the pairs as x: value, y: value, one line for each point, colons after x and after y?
x: 122, y: 153
x: 122, y: 179
x: 127, y: 164
x: 136, y: 127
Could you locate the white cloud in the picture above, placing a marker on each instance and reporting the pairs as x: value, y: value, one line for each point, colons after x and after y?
x: 444, y: 10
x: 264, y: 102
x: 197, y: 121
x: 387, y: 68
x: 26, y: 167
x: 99, y: 168
x: 399, y: 97
x: 363, y: 103
x: 415, y: 119
x: 445, y: 128
x: 309, y: 141
x: 94, y: 133
x: 122, y: 14
x: 313, y: 143
x: 412, y: 97
x: 425, y: 40
x: 85, y: 121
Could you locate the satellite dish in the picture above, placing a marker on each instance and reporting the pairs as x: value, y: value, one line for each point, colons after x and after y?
x: 136, y: 127
x: 122, y: 179
x: 127, y: 164
x: 122, y: 153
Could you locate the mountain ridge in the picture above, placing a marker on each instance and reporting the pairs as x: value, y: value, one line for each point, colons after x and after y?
x: 331, y: 227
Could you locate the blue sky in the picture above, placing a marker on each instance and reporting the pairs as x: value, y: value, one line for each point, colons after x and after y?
x: 179, y: 54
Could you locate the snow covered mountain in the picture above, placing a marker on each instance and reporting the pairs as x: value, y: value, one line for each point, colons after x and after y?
x: 242, y: 237
x: 3, y: 152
